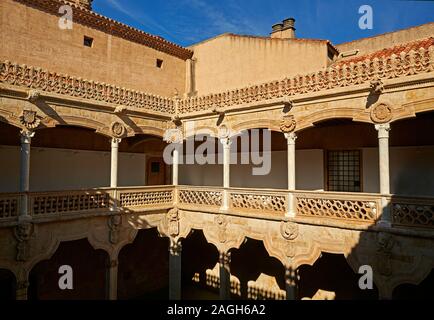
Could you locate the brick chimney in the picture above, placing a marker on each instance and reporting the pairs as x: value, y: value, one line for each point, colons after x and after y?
x: 284, y: 30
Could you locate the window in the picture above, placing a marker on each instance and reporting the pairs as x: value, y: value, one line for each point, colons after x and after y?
x: 88, y: 41
x: 159, y: 63
x: 344, y: 171
x: 155, y: 167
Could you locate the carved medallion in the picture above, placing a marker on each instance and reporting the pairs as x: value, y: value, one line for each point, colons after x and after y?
x: 173, y: 222
x: 288, y: 124
x: 23, y: 233
x: 221, y: 222
x: 381, y: 113
x: 289, y: 230
x: 385, y: 243
x: 118, y: 130
x: 114, y: 223
x: 29, y: 119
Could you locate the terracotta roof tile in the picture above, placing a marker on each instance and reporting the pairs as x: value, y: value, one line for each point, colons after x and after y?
x: 387, y: 52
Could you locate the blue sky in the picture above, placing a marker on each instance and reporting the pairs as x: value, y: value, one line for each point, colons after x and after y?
x: 186, y: 22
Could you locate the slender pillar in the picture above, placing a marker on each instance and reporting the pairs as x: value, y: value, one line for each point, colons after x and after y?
x: 291, y: 138
x: 383, y: 155
x: 291, y: 281
x: 225, y: 275
x: 175, y: 166
x: 112, y: 279
x: 226, y: 142
x: 114, y: 170
x: 175, y: 250
x: 21, y: 290
x: 26, y: 139
x: 114, y: 163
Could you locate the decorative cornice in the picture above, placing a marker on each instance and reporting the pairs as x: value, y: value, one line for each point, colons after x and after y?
x: 110, y: 26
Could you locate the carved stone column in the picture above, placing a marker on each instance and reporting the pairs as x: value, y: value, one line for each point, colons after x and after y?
x: 112, y: 279
x: 226, y: 142
x: 291, y: 282
x: 291, y: 137
x: 175, y: 166
x: 383, y: 155
x: 26, y: 139
x: 175, y: 250
x: 114, y: 169
x: 21, y: 290
x: 225, y: 275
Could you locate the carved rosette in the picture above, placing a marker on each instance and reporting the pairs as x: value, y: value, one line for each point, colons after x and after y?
x: 385, y: 244
x: 288, y: 124
x: 381, y: 113
x: 173, y: 135
x: 29, y: 119
x: 222, y: 223
x: 114, y: 224
x: 173, y: 222
x: 23, y: 233
x: 289, y: 230
x: 118, y: 129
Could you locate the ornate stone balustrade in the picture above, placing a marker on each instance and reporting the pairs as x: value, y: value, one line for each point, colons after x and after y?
x: 145, y: 197
x: 338, y: 76
x: 9, y: 205
x: 342, y: 206
x: 69, y: 202
x: 262, y: 202
x: 413, y: 212
x: 51, y: 82
x: 200, y: 197
x: 343, y: 75
x: 345, y: 207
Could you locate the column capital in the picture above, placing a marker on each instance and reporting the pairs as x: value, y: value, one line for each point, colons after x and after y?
x: 26, y: 136
x: 383, y: 130
x: 175, y: 248
x: 224, y: 258
x: 291, y: 137
x: 226, y: 142
x: 116, y: 141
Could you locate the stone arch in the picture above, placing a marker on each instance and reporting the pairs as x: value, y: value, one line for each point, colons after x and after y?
x: 88, y: 266
x: 272, y: 125
x: 330, y: 114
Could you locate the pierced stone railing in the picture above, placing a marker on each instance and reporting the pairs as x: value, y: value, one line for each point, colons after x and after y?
x: 259, y: 202
x: 356, y: 207
x: 52, y: 82
x: 207, y: 197
x: 141, y: 197
x: 61, y: 202
x: 341, y: 75
x: 9, y: 205
x: 413, y: 212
